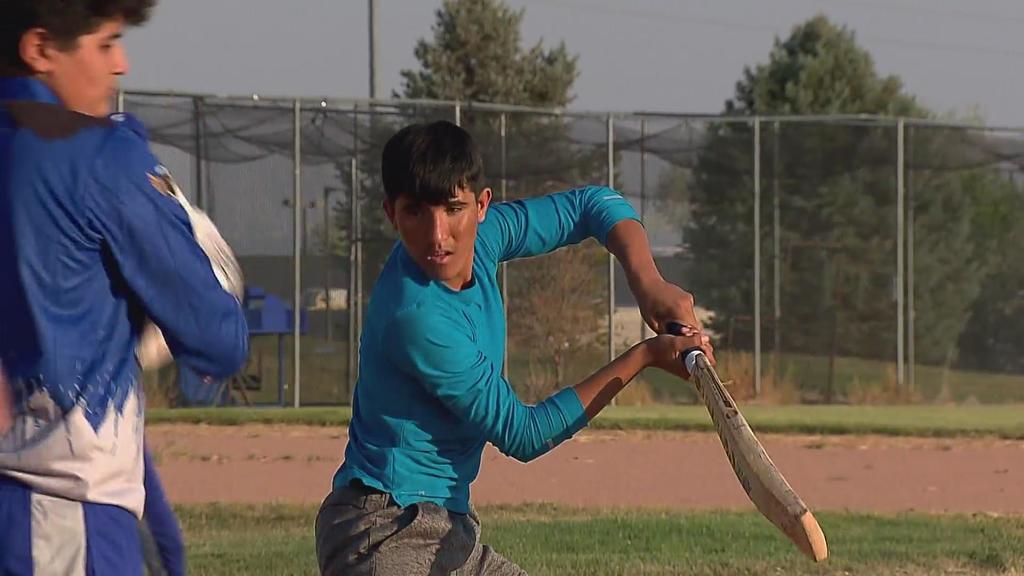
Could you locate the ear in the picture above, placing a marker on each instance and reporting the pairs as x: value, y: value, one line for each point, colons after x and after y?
x: 389, y: 210
x: 483, y: 202
x: 36, y: 49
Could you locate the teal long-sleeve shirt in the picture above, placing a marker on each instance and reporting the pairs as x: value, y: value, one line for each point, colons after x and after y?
x: 430, y: 392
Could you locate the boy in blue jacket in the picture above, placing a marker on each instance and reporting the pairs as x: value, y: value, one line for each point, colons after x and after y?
x: 91, y: 245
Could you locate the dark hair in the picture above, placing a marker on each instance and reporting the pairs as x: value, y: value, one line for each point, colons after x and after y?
x: 427, y: 162
x: 65, y: 20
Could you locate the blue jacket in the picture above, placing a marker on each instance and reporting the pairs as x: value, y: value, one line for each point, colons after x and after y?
x: 90, y: 246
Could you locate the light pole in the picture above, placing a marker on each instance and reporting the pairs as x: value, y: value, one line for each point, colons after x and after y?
x: 374, y: 25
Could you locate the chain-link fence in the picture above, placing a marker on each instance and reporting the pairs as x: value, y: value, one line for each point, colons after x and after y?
x: 835, y: 259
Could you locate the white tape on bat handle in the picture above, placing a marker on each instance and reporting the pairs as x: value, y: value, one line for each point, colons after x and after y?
x: 691, y: 360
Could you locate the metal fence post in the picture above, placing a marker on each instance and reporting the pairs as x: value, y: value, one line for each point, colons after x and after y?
x: 900, y: 247
x: 503, y: 131
x: 353, y: 260
x: 611, y: 259
x: 358, y: 235
x: 352, y: 302
x: 911, y: 312
x: 645, y: 330
x: 458, y: 113
x: 776, y: 258
x: 757, y: 256
x: 328, y: 331
x: 297, y: 237
x: 198, y: 126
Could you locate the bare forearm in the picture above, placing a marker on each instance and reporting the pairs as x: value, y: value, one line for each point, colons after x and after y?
x: 598, y: 389
x: 628, y: 242
x: 660, y: 302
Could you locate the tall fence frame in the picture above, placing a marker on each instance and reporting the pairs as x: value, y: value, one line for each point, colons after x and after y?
x: 762, y: 127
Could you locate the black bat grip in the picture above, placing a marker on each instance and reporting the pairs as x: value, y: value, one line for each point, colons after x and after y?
x: 676, y: 328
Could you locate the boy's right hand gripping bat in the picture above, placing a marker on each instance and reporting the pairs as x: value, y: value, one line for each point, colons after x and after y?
x: 761, y: 480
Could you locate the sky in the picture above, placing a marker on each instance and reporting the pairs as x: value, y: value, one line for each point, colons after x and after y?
x: 959, y: 58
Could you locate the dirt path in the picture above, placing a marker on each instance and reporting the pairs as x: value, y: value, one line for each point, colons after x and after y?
x: 261, y: 463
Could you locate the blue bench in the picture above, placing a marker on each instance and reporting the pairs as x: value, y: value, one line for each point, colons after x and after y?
x: 266, y: 315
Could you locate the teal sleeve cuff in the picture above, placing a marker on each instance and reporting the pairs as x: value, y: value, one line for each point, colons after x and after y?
x: 610, y: 208
x: 568, y: 403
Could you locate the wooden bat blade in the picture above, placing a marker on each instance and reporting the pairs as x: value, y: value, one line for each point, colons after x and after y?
x: 761, y: 480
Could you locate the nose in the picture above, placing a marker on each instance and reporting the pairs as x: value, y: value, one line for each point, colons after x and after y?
x: 439, y: 229
x: 121, y: 65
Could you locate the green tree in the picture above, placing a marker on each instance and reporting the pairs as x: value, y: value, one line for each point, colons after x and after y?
x: 993, y: 339
x: 476, y: 54
x: 969, y: 199
x: 820, y: 69
x: 837, y: 199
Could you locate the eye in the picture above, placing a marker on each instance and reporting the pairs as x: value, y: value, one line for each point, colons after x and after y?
x: 455, y: 209
x: 108, y: 44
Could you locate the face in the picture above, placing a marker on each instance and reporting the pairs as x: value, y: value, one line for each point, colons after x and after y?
x: 440, y: 239
x: 85, y: 76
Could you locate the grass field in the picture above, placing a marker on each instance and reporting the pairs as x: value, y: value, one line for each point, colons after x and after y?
x: 1003, y: 421
x: 325, y: 375
x: 855, y: 379
x: 277, y: 540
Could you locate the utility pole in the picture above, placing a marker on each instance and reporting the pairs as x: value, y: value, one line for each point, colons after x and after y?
x: 374, y: 33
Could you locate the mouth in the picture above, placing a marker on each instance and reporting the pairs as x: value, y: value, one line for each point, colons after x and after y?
x: 439, y: 257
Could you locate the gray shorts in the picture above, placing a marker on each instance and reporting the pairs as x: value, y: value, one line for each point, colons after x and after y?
x: 362, y: 532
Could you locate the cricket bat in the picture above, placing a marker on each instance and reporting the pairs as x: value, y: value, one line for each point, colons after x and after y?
x: 761, y: 480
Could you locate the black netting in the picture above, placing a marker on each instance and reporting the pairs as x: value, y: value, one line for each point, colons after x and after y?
x: 965, y: 204
x: 829, y: 237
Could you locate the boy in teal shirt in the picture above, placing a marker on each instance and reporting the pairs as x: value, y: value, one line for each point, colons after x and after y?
x: 430, y: 392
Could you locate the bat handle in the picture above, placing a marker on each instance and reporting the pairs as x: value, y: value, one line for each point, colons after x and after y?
x: 689, y: 355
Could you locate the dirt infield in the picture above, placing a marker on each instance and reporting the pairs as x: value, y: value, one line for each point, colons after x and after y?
x: 260, y: 463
